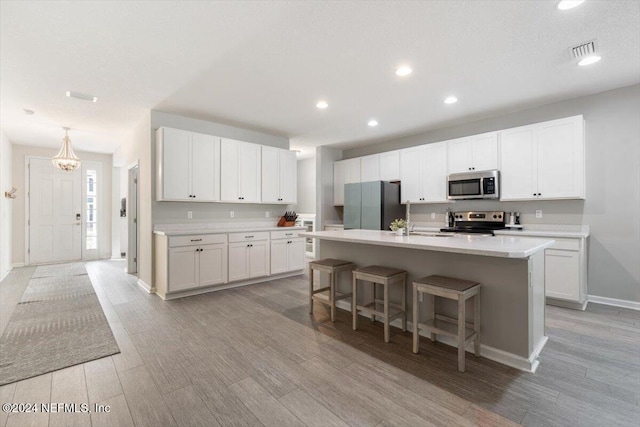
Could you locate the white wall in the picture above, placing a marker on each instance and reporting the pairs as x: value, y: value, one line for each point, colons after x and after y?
x: 306, y: 186
x: 612, y: 205
x: 325, y: 211
x: 137, y: 147
x: 19, y: 154
x: 6, y: 181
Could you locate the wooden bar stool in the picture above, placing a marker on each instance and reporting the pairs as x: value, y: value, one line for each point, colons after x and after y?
x: 328, y: 295
x: 455, y: 289
x: 386, y: 276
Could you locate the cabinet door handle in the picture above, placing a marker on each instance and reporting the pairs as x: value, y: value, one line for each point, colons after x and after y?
x: 248, y: 237
x: 196, y: 240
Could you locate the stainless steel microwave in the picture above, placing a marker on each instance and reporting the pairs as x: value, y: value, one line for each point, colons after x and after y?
x: 474, y: 185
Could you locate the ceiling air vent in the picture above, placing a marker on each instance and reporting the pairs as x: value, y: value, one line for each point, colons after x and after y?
x: 583, y: 50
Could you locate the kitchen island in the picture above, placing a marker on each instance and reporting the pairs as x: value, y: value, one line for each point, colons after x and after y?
x: 510, y: 269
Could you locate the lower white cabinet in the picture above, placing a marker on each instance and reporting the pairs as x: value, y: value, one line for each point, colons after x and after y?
x: 561, y: 274
x: 190, y: 262
x: 565, y: 272
x: 287, y: 252
x: 248, y: 259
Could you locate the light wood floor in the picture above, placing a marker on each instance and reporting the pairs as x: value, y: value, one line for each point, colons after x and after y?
x: 254, y: 356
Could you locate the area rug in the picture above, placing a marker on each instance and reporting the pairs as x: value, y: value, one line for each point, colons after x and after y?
x: 58, y: 323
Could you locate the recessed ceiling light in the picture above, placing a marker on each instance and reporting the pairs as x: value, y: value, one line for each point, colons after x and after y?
x: 373, y: 123
x: 322, y: 105
x: 403, y: 70
x: 82, y: 96
x: 590, y: 60
x: 569, y: 4
x: 28, y: 112
x: 450, y: 100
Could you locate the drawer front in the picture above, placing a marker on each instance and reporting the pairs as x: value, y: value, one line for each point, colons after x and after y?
x: 199, y: 239
x: 284, y: 234
x: 247, y: 237
x: 566, y: 244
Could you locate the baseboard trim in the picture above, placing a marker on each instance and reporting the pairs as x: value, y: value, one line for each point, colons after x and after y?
x: 146, y: 286
x: 17, y: 264
x: 574, y: 305
x: 214, y: 288
x: 505, y: 358
x: 633, y: 305
x: 4, y: 276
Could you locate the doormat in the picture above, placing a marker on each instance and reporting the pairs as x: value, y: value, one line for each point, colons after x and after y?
x: 58, y: 323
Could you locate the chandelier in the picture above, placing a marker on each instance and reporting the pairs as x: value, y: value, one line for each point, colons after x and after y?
x: 66, y: 158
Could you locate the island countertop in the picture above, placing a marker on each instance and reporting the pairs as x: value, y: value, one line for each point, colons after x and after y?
x: 493, y: 246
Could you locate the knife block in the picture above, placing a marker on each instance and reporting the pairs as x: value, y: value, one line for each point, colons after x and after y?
x: 284, y: 223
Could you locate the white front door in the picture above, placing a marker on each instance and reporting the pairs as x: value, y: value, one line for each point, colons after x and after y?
x: 55, y: 227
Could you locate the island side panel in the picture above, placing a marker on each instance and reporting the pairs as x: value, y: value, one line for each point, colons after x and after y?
x: 504, y: 295
x: 537, y: 298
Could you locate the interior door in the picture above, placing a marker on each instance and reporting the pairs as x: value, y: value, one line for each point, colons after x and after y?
x: 55, y: 224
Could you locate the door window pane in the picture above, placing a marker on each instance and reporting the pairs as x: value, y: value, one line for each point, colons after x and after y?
x: 91, y: 216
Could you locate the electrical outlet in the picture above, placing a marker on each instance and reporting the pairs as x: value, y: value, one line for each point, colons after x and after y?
x: 189, y: 215
x: 538, y: 213
x: 433, y: 215
x: 232, y: 214
x: 420, y: 296
x: 266, y: 214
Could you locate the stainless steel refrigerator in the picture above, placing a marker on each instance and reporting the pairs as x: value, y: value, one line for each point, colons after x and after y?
x: 371, y: 205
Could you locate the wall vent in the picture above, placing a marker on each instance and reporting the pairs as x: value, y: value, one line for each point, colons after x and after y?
x: 583, y: 50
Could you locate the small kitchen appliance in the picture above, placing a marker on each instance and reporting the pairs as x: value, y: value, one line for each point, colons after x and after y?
x: 477, y: 222
x: 474, y: 185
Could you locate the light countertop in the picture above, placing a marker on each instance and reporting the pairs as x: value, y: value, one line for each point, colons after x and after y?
x: 505, y: 246
x: 205, y: 230
x: 528, y: 230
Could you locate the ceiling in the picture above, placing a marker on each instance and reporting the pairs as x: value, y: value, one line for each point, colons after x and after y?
x: 264, y: 65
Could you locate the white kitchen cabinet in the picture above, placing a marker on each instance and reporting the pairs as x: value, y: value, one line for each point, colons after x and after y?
x: 287, y: 252
x: 473, y: 153
x: 189, y: 262
x: 352, y: 170
x: 423, y: 172
x: 560, y: 274
x: 188, y: 166
x: 248, y: 255
x: 279, y: 175
x: 565, y: 270
x: 370, y: 168
x: 240, y: 166
x: 543, y: 161
x: 344, y: 172
x: 390, y: 166
x: 338, y: 183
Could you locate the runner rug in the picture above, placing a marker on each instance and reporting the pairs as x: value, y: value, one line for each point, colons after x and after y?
x: 58, y: 323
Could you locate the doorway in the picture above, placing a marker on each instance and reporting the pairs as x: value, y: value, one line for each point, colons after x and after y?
x: 132, y: 219
x: 54, y: 212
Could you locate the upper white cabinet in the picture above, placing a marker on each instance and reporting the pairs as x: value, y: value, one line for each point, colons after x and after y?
x: 188, y: 166
x: 474, y: 153
x: 240, y: 167
x: 390, y: 166
x: 279, y: 175
x: 338, y: 183
x: 543, y: 161
x: 370, y: 168
x: 423, y: 172
x: 344, y: 172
